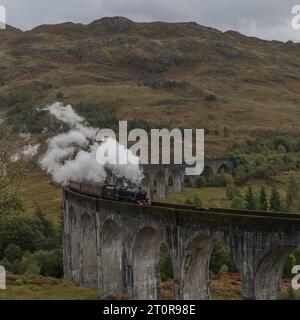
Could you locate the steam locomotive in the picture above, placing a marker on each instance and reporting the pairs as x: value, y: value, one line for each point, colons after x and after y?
x: 110, y: 192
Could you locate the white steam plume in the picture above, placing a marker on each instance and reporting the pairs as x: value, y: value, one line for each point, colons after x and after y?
x: 72, y: 155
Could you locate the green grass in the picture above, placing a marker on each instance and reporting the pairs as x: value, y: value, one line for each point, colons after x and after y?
x: 39, y: 191
x: 45, y: 289
x: 210, y: 197
x: 215, y: 197
x: 53, y: 292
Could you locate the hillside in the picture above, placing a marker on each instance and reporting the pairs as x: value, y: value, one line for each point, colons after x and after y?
x: 174, y: 74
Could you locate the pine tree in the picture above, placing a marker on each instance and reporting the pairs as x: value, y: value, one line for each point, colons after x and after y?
x: 46, y: 224
x: 293, y: 194
x: 275, y: 200
x: 250, y: 199
x: 263, y: 201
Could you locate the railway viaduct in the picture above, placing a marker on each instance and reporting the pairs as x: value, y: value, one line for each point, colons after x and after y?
x: 115, y: 246
x: 161, y: 179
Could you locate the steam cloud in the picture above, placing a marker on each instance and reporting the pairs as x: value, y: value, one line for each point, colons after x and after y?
x: 72, y: 155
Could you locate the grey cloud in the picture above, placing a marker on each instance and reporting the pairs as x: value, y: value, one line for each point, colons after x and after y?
x: 268, y: 19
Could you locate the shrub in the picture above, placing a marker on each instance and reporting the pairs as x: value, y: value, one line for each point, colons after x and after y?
x: 219, y: 257
x: 210, y: 98
x: 201, y: 182
x: 52, y: 264
x: 12, y: 253
x: 189, y: 202
x: 231, y: 191
x: 31, y: 119
x: 45, y: 263
x: 238, y: 203
x: 290, y: 294
x: 59, y: 96
x: 225, y: 178
x: 46, y: 225
x: 166, y: 270
x: 223, y: 269
x: 289, y: 264
x: 18, y: 230
x: 98, y: 115
x: 33, y: 269
x: 241, y: 175
x: 280, y: 141
x: 197, y: 201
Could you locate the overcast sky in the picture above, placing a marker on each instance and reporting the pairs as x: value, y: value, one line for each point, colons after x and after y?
x: 268, y: 19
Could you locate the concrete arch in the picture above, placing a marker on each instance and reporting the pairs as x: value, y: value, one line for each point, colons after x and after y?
x: 176, y: 178
x: 268, y: 275
x: 160, y: 186
x: 170, y: 184
x: 111, y: 257
x: 145, y: 264
x: 195, y: 268
x: 88, y: 251
x: 75, y: 244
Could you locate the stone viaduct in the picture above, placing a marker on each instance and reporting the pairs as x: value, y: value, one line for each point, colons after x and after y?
x: 161, y: 179
x: 115, y: 246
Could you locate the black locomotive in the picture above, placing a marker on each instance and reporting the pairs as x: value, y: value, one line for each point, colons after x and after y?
x: 110, y: 192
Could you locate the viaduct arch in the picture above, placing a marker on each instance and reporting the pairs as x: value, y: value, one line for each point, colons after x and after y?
x: 160, y: 179
x: 123, y: 241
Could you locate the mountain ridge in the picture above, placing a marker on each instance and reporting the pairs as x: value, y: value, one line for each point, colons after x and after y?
x: 175, y: 74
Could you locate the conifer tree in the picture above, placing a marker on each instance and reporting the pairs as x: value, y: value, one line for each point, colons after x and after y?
x: 250, y: 199
x: 275, y: 200
x: 293, y: 194
x: 263, y: 201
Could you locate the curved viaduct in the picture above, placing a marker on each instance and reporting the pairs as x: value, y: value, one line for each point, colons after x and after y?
x: 115, y: 246
x: 161, y: 179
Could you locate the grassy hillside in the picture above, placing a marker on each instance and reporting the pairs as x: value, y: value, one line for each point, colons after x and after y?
x: 176, y: 74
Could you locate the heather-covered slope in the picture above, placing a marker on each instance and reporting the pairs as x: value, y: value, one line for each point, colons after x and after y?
x: 178, y: 74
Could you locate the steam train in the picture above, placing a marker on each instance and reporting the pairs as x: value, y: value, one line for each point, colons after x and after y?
x: 110, y: 192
